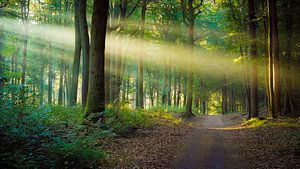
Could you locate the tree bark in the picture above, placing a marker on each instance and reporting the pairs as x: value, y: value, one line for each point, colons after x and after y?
x: 253, y: 55
x: 50, y: 79
x: 1, y: 60
x: 96, y: 89
x: 76, y: 59
x: 61, y: 80
x: 85, y: 44
x: 190, y: 74
x: 139, y: 83
x: 289, y: 105
x: 274, y: 72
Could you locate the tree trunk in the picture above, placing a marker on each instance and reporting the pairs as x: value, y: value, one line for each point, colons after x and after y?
x: 41, y: 93
x: 77, y: 53
x: 61, y: 80
x: 139, y: 83
x: 50, y: 79
x: 85, y: 44
x: 175, y: 90
x: 274, y: 76
x: 289, y: 98
x: 179, y: 91
x: 164, y: 88
x: 169, y: 86
x: 25, y: 13
x: 96, y: 89
x: 224, y: 96
x: 107, y: 73
x: 253, y: 54
x: 190, y: 74
x: 1, y: 60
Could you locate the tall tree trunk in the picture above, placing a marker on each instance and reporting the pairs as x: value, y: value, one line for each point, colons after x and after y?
x: 41, y: 93
x: 61, y: 81
x: 139, y: 83
x: 266, y: 53
x: 190, y: 11
x: 25, y: 14
x: 175, y: 90
x: 164, y: 88
x: 179, y: 91
x: 85, y: 44
x: 77, y: 53
x: 185, y: 91
x: 96, y: 90
x: 169, y: 86
x: 1, y: 60
x: 50, y: 79
x: 274, y: 76
x: 224, y: 96
x: 68, y: 85
x: 190, y: 74
x: 107, y: 72
x: 204, y: 106
x: 289, y: 98
x: 253, y: 54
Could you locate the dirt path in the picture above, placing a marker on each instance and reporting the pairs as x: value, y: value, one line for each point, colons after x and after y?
x: 204, y: 148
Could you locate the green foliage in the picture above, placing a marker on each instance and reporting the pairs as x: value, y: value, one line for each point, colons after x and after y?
x: 61, y: 116
x: 81, y: 152
x: 49, y: 137
x: 122, y: 120
x: 167, y: 109
x: 255, y: 122
x: 60, y: 137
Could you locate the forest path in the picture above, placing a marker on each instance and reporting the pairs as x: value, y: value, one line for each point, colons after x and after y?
x: 204, y: 147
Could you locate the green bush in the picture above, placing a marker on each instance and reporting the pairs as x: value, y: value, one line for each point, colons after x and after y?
x: 123, y: 120
x: 60, y: 137
x: 70, y: 117
x: 167, y: 109
x: 48, y: 137
x: 78, y: 153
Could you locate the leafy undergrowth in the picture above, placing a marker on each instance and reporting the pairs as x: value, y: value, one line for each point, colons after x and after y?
x: 167, y: 109
x: 254, y: 122
x: 60, y: 137
x: 260, y: 121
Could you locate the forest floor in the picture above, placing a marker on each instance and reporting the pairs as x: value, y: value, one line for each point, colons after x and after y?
x: 209, y: 142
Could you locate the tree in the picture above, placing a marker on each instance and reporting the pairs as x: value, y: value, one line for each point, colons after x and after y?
x: 289, y: 105
x: 253, y: 54
x: 96, y: 89
x: 274, y: 76
x: 140, y: 73
x: 1, y: 57
x: 190, y: 10
x: 77, y: 53
x: 85, y: 44
x: 25, y: 4
x: 50, y: 76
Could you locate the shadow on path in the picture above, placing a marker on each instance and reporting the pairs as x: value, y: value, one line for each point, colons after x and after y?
x: 204, y: 147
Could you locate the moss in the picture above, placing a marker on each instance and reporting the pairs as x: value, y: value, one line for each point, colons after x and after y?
x: 255, y: 122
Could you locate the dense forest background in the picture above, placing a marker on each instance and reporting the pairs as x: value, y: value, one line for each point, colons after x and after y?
x: 205, y: 55
x: 182, y: 56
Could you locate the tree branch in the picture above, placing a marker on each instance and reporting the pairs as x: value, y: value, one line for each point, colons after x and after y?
x: 199, y: 5
x: 184, y: 11
x: 4, y: 5
x: 131, y: 12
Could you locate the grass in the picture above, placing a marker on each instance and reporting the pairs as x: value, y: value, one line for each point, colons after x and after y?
x: 284, y: 122
x: 254, y: 122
